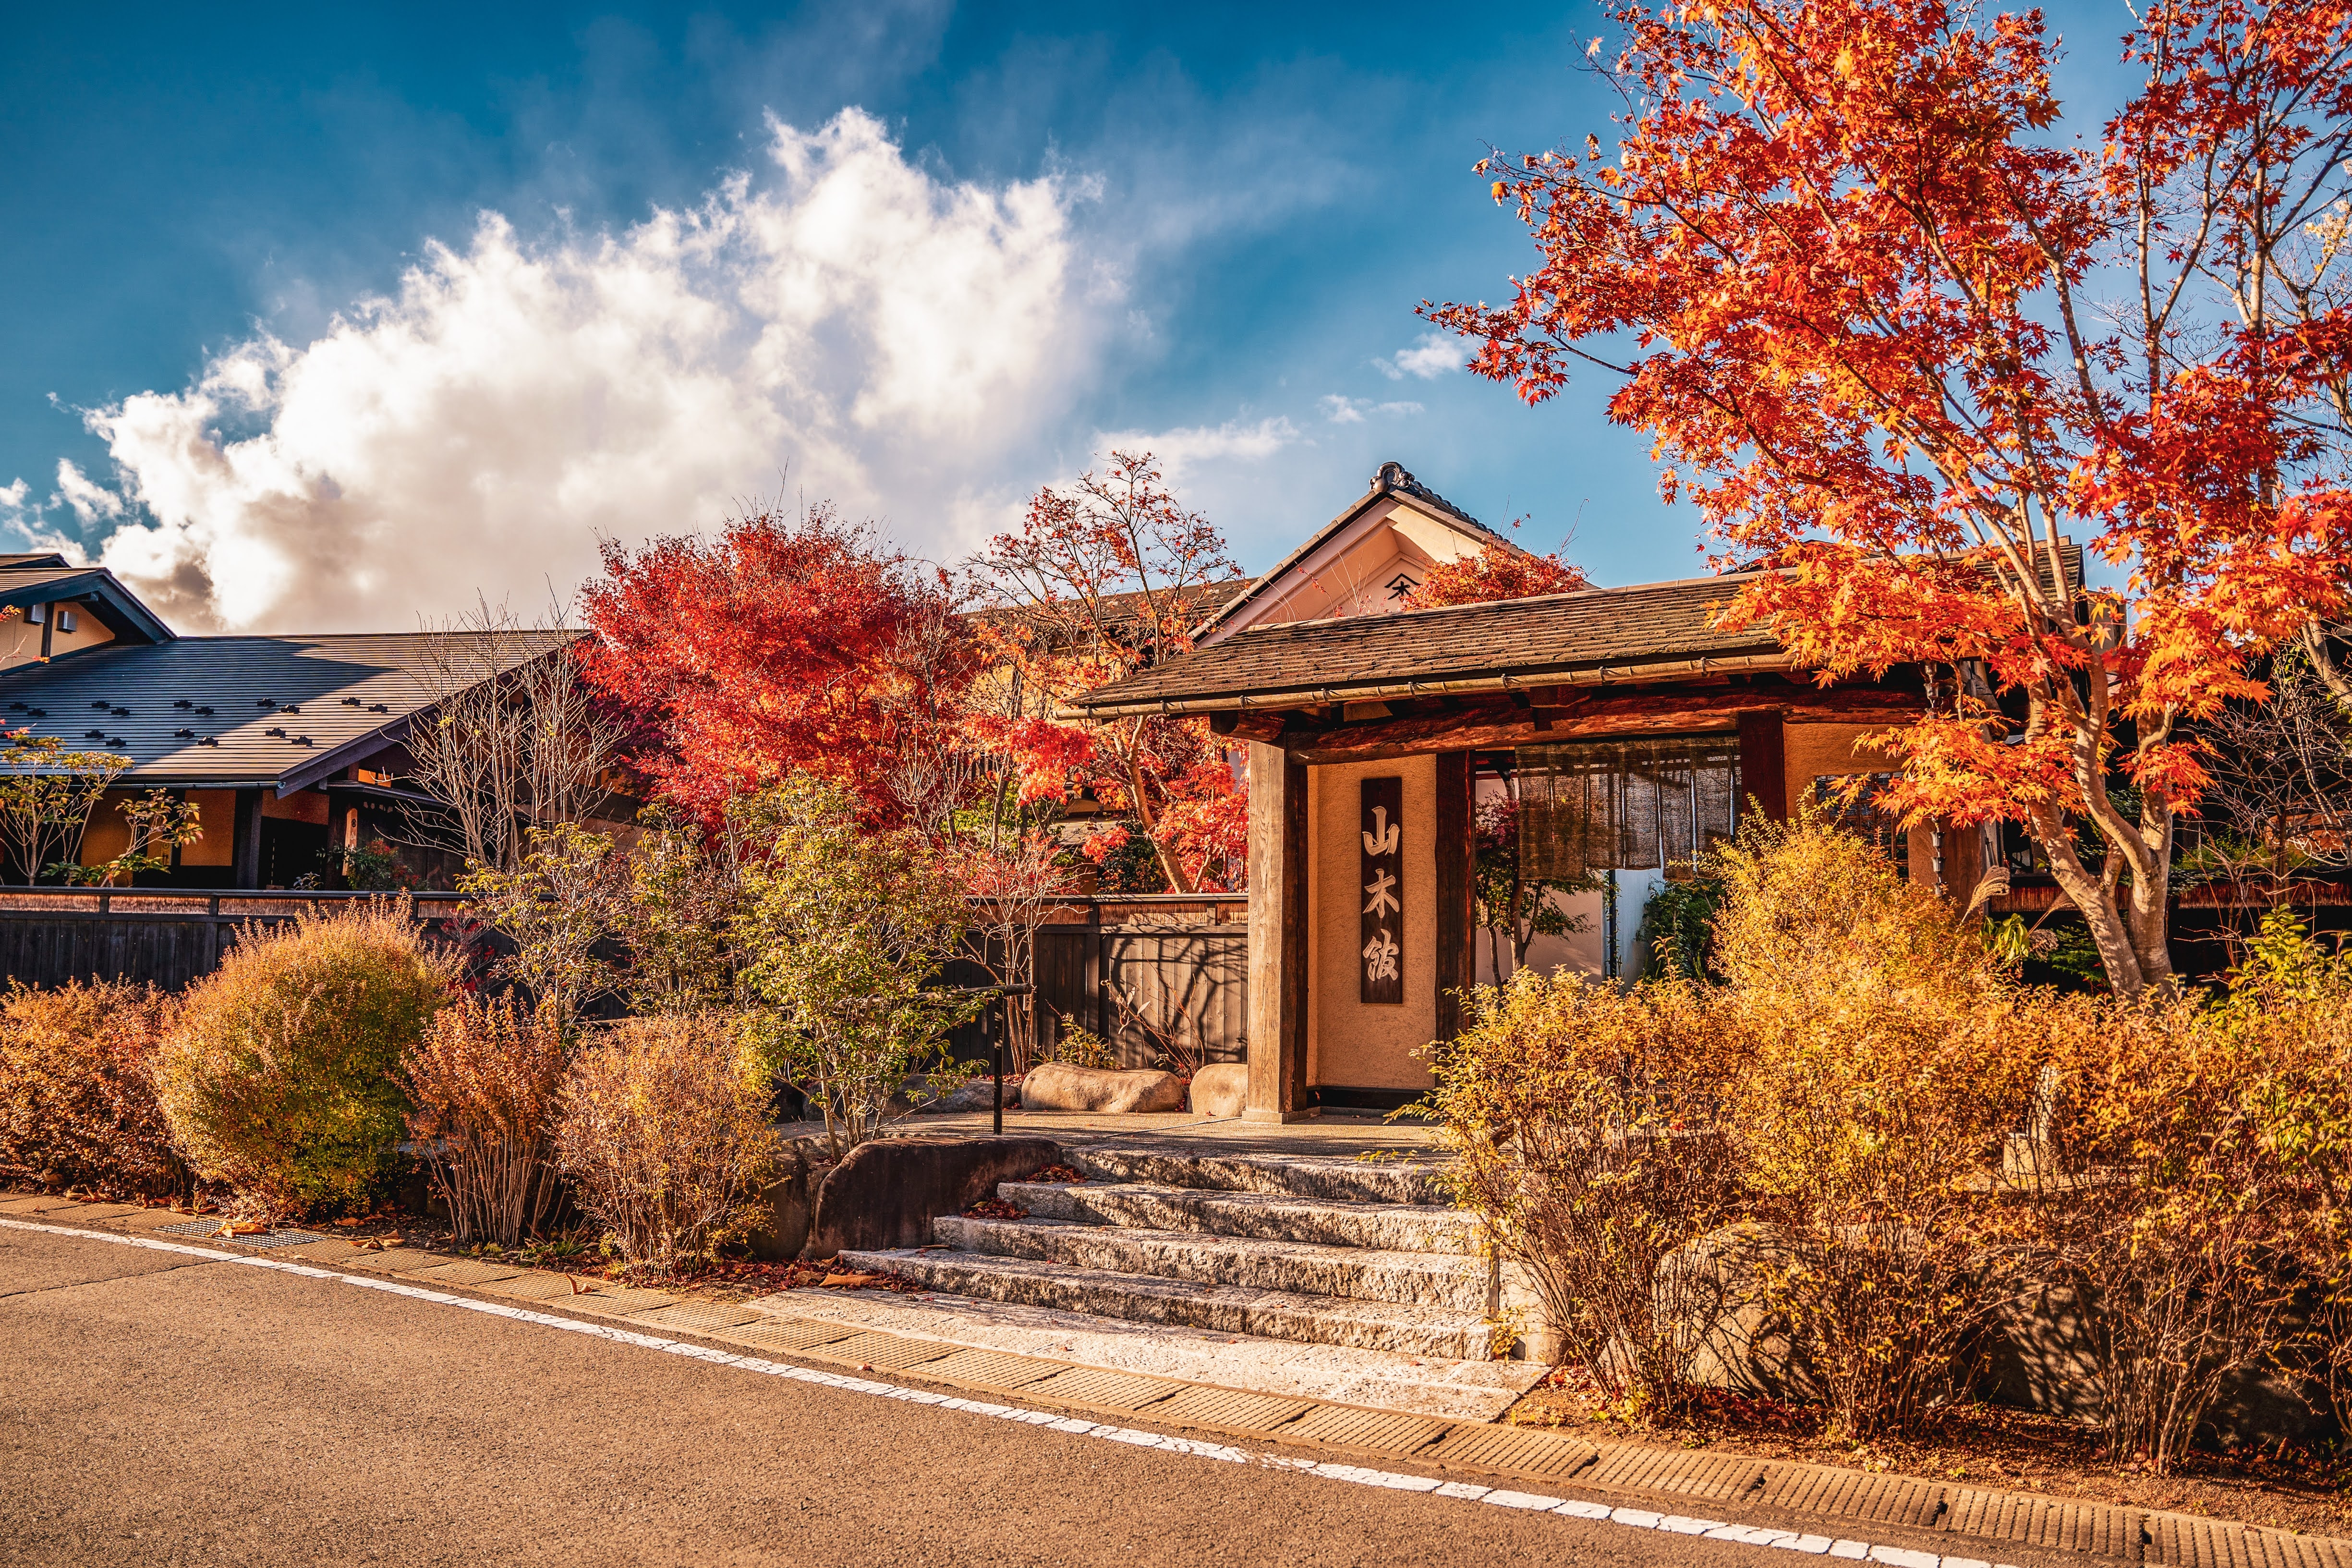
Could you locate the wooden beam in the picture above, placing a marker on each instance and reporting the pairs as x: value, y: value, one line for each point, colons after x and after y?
x: 1764, y: 763
x: 1278, y: 936
x: 1453, y: 924
x: 1665, y: 711
x: 244, y: 846
x: 1257, y: 726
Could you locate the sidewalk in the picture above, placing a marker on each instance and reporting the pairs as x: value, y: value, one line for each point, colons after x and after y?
x: 1750, y: 1492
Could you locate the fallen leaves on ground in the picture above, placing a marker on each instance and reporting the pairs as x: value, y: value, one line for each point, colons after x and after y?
x: 994, y: 1208
x: 1060, y: 1175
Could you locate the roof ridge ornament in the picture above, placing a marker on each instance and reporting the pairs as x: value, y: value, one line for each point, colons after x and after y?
x: 1395, y: 478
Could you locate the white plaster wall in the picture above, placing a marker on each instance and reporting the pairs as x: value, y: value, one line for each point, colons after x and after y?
x: 1348, y: 1041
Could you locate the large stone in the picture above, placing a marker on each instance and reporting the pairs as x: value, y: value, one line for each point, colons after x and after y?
x: 1715, y: 1286
x: 1221, y: 1089
x: 779, y: 1225
x: 1057, y: 1085
x: 889, y: 1190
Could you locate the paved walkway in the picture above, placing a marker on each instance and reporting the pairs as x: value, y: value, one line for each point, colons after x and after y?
x: 1807, y: 1508
x: 1337, y: 1133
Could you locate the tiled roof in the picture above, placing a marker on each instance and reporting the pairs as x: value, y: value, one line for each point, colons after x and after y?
x: 336, y: 699
x: 1601, y: 634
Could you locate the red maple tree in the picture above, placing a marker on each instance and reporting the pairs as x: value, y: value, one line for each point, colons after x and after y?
x: 786, y: 642
x: 1899, y: 337
x: 1493, y: 574
x: 1106, y: 575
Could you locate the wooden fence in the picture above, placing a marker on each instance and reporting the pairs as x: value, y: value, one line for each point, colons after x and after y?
x: 1126, y: 969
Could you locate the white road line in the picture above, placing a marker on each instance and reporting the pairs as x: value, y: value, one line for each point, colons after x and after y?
x: 1357, y: 1475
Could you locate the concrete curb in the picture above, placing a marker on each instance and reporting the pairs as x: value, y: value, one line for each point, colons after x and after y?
x: 1760, y: 1489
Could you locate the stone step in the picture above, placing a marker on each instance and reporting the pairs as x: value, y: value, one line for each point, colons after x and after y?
x: 1320, y: 1222
x: 1341, y: 1180
x: 1427, y: 1385
x: 1227, y: 1309
x: 1453, y: 1280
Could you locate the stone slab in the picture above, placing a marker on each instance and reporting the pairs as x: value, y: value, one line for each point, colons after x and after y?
x: 1231, y: 1408
x: 33, y: 1204
x: 1719, y: 1478
x: 882, y: 1351
x: 787, y: 1334
x: 696, y: 1317
x: 1456, y: 1390
x: 1375, y: 1431
x: 2028, y: 1519
x: 149, y: 1219
x: 989, y: 1369
x: 98, y: 1214
x: 391, y: 1260
x: 1096, y: 1388
x: 1854, y: 1494
x: 1512, y: 1450
x: 332, y: 1249
x: 534, y: 1284
x: 465, y: 1271
x: 623, y: 1302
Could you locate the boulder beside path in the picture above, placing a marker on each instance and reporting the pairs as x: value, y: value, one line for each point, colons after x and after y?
x: 1057, y: 1085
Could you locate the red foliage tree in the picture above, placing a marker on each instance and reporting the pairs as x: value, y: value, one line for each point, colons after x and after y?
x: 1493, y: 574
x: 1106, y: 575
x: 1896, y: 335
x: 785, y: 643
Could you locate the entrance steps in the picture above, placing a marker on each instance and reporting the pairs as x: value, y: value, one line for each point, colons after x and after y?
x: 1360, y: 1261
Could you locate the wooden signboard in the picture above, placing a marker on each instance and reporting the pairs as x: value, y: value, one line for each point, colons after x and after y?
x: 1383, y: 927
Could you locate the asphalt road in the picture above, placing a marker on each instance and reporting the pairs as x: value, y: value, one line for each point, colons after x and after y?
x: 160, y: 1409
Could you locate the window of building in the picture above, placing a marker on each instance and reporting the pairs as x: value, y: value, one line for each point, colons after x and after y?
x: 1599, y: 805
x: 1856, y: 801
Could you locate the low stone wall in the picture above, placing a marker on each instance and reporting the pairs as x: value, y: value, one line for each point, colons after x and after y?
x: 889, y: 1190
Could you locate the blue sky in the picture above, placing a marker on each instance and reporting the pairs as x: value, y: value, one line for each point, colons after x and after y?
x: 327, y: 319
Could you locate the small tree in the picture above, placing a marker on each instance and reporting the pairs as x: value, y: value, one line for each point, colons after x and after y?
x: 1010, y: 891
x: 515, y: 739
x: 555, y: 907
x: 47, y: 795
x: 848, y: 930
x: 482, y: 1084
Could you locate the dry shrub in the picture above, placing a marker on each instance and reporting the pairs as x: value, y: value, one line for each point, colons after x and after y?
x: 77, y: 1100
x: 2192, y: 1182
x: 484, y: 1082
x: 1879, y: 1075
x: 279, y: 1075
x: 663, y: 1128
x: 1581, y: 1118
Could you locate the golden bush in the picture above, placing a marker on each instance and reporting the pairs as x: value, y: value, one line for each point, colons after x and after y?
x: 664, y: 1129
x: 76, y: 1098
x: 484, y: 1084
x: 280, y: 1077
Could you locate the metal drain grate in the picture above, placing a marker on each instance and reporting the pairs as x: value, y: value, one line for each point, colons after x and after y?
x: 211, y: 1226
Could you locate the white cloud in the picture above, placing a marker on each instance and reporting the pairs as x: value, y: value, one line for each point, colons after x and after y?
x: 889, y: 337
x: 91, y: 502
x: 1341, y: 410
x: 1432, y: 357
x: 1185, y: 451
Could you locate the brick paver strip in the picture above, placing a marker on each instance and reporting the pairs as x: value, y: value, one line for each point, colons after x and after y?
x: 619, y: 1301
x: 1103, y: 1389
x: 2053, y: 1522
x: 696, y: 1317
x: 989, y: 1369
x: 392, y: 1260
x: 1512, y: 1450
x: 465, y: 1271
x: 1376, y: 1431
x: 1854, y: 1494
x: 1200, y: 1405
x: 554, y: 1289
x: 881, y: 1351
x: 788, y: 1333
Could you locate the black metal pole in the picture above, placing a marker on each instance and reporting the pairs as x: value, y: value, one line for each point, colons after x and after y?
x: 998, y: 1051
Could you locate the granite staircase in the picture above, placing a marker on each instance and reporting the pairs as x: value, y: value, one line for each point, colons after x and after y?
x: 1311, y: 1251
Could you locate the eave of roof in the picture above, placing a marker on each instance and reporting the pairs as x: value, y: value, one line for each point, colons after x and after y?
x: 1595, y: 636
x: 36, y: 581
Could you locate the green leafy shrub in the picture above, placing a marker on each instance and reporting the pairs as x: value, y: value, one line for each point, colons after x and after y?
x: 664, y: 1129
x: 76, y: 1098
x: 280, y: 1077
x: 484, y: 1083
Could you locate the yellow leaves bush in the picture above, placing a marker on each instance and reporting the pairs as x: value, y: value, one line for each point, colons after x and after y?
x: 77, y: 1101
x: 277, y: 1078
x: 663, y: 1128
x: 1873, y: 1137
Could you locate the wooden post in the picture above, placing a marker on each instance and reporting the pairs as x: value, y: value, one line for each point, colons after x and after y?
x: 1764, y: 765
x: 1278, y: 936
x: 245, y: 862
x: 1454, y: 836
